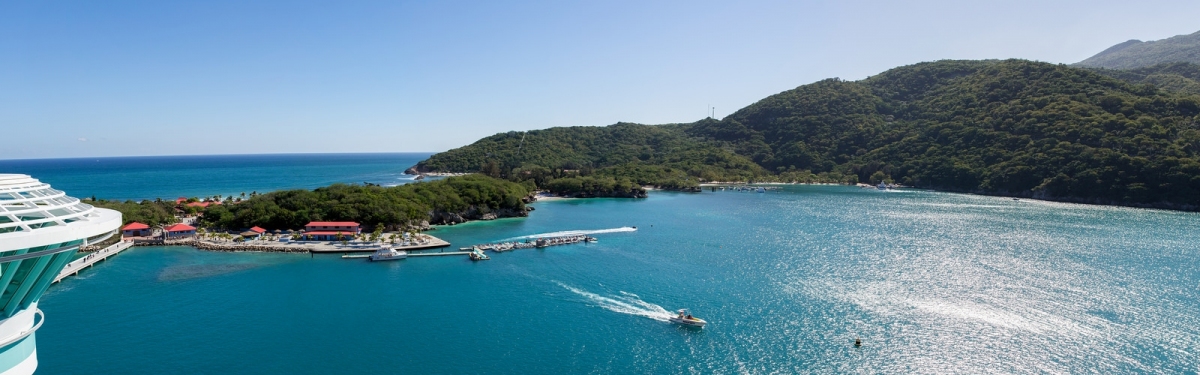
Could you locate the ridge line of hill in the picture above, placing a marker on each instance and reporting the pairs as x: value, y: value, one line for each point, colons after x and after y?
x: 1003, y: 127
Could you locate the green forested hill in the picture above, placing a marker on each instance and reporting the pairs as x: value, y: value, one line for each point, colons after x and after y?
x: 1180, y: 77
x: 649, y: 155
x: 1008, y: 127
x: 1138, y: 54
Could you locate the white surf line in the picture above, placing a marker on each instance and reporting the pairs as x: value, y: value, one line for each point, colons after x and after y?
x: 572, y: 233
x: 628, y: 304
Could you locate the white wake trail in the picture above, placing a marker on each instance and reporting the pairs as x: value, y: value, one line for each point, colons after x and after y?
x: 627, y: 303
x: 572, y: 233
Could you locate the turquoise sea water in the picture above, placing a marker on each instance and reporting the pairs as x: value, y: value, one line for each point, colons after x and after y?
x: 169, y: 177
x: 932, y: 282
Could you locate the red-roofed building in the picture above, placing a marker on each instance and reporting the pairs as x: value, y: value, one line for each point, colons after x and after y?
x: 180, y: 231
x: 329, y: 230
x: 180, y: 200
x: 204, y: 204
x: 258, y: 230
x: 135, y: 229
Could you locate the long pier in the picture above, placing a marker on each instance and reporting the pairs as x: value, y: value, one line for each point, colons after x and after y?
x: 431, y: 243
x: 88, y: 260
x: 438, y: 254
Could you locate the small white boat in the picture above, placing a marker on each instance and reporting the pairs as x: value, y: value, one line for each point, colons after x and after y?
x: 387, y: 253
x: 478, y: 255
x: 590, y: 239
x: 686, y: 318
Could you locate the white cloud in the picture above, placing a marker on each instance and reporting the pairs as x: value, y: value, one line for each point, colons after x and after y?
x: 81, y: 139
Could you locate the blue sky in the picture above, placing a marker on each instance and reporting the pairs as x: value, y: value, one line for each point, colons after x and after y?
x: 112, y: 78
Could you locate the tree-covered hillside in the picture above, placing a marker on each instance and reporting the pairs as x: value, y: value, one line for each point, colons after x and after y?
x: 660, y: 155
x: 1008, y: 127
x: 451, y: 200
x: 1138, y: 54
x: 1180, y: 77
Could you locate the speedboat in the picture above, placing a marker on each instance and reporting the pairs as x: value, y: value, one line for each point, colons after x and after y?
x: 590, y: 239
x: 387, y: 253
x: 686, y: 318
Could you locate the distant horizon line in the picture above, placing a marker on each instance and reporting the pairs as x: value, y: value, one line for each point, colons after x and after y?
x: 193, y: 155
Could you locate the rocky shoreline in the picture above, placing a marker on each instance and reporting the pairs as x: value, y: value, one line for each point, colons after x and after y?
x: 255, y: 248
x: 231, y: 247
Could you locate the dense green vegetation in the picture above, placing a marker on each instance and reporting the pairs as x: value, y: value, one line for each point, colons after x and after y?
x: 1005, y: 127
x: 152, y: 213
x: 1008, y: 127
x: 391, y: 207
x: 1138, y: 54
x: 647, y: 155
x: 590, y: 186
x: 1180, y: 77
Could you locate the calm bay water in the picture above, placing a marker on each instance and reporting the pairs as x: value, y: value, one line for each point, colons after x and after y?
x: 932, y: 282
x: 169, y: 177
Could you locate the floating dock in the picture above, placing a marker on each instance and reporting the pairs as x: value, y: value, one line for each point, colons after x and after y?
x: 77, y: 265
x: 477, y: 249
x: 432, y: 243
x: 438, y: 254
x: 532, y: 244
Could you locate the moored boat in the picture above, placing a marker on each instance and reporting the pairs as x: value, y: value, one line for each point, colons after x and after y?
x: 478, y: 255
x: 387, y: 253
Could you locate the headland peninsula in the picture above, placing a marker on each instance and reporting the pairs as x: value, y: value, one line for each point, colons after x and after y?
x: 997, y: 127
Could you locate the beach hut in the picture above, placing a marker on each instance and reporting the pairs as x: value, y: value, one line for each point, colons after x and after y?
x: 135, y: 229
x: 177, y: 231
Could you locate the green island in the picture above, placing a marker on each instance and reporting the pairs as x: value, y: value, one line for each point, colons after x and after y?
x: 448, y: 201
x: 413, y: 206
x: 1001, y: 127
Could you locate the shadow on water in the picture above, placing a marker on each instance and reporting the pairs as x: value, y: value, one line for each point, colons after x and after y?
x: 196, y: 271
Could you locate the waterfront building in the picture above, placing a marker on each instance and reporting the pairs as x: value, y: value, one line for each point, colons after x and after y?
x: 135, y: 229
x: 253, y: 233
x: 177, y: 231
x: 40, y: 230
x: 203, y: 204
x: 330, y: 230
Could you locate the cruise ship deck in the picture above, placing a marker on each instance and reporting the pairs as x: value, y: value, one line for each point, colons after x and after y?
x: 40, y: 230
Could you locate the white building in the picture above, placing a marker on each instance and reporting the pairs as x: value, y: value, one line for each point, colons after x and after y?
x: 40, y: 229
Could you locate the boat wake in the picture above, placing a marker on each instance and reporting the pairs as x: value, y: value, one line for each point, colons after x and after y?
x: 567, y: 233
x: 626, y: 303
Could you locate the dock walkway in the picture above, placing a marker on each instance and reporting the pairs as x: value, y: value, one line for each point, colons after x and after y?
x: 431, y: 243
x: 79, y: 264
x: 440, y: 253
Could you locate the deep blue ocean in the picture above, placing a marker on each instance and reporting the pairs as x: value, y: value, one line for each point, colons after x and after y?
x: 933, y: 283
x: 170, y: 177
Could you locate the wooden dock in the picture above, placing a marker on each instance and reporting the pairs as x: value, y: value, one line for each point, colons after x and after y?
x: 438, y: 254
x: 88, y: 260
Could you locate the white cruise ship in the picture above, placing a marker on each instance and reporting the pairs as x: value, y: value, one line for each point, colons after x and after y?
x: 40, y: 230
